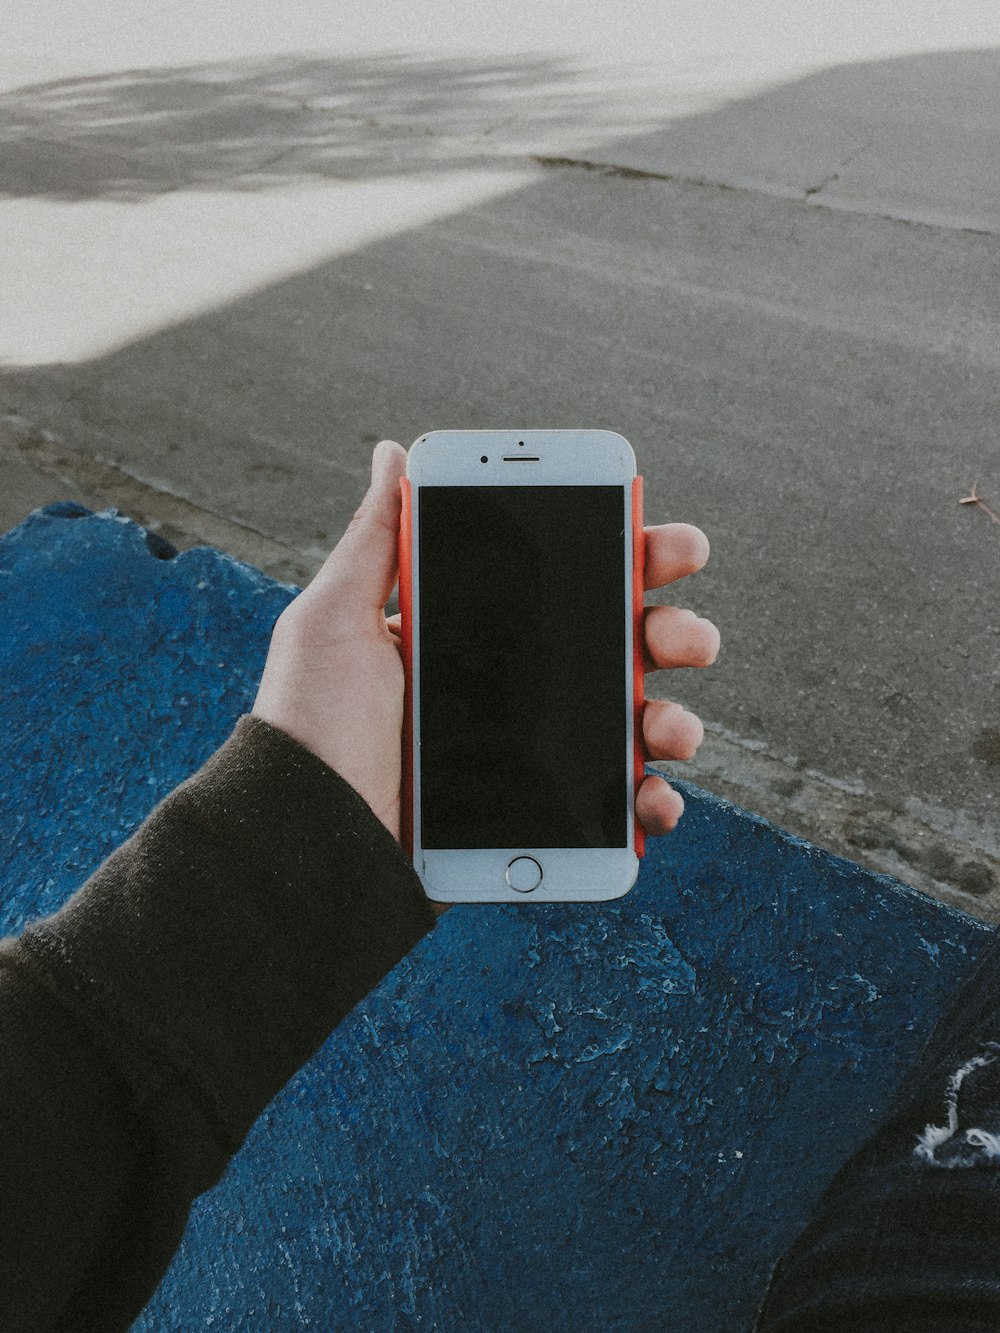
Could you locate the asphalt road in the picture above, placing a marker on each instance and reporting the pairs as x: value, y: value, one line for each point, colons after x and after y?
x: 787, y: 300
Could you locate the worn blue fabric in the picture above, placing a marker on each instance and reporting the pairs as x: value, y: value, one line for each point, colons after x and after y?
x: 907, y: 1237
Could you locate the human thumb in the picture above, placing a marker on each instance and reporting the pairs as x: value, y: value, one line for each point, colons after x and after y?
x: 363, y: 566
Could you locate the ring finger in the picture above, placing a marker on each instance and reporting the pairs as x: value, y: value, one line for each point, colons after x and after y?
x: 674, y: 637
x: 670, y: 731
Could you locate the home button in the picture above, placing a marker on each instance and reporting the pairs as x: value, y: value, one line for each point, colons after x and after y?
x: 524, y: 874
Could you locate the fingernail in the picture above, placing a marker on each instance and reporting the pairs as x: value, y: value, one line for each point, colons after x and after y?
x: 383, y: 452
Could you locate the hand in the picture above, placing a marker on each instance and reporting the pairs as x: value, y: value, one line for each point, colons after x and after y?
x: 333, y: 679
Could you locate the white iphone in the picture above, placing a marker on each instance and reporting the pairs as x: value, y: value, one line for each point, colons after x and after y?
x: 521, y: 626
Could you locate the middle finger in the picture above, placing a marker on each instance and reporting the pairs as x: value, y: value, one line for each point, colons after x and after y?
x: 669, y: 731
x: 674, y: 637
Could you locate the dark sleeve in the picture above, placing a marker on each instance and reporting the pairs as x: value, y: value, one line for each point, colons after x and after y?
x: 907, y: 1236
x: 146, y: 1024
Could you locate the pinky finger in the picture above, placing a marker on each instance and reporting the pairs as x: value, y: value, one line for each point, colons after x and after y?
x: 657, y: 806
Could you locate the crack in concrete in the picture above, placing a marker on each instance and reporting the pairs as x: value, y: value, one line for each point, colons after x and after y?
x: 812, y: 190
x: 810, y: 195
x: 631, y: 173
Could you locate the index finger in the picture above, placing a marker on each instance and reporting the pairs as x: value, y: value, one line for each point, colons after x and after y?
x: 672, y: 551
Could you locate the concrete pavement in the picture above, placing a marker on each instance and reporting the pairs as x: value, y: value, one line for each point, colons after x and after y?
x: 764, y: 251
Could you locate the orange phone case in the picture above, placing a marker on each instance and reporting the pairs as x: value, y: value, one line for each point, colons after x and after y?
x: 406, y: 640
x: 638, y: 656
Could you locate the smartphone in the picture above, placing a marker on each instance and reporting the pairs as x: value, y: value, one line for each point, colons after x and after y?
x: 520, y: 600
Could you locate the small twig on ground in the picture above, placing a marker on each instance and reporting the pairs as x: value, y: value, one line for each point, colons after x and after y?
x: 973, y: 499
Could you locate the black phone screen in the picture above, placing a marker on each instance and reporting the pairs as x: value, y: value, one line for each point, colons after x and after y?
x: 522, y: 672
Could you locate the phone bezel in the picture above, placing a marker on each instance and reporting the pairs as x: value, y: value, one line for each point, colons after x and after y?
x: 567, y: 458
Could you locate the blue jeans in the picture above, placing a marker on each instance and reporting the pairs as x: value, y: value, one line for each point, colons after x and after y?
x: 907, y: 1237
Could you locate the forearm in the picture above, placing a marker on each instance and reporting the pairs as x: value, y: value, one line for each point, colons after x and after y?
x: 160, y: 1010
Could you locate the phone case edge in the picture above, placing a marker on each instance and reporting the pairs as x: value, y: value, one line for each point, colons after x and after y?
x: 406, y: 644
x: 638, y: 673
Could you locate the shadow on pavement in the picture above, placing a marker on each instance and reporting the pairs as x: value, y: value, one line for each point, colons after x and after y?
x: 250, y: 125
x: 920, y: 128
